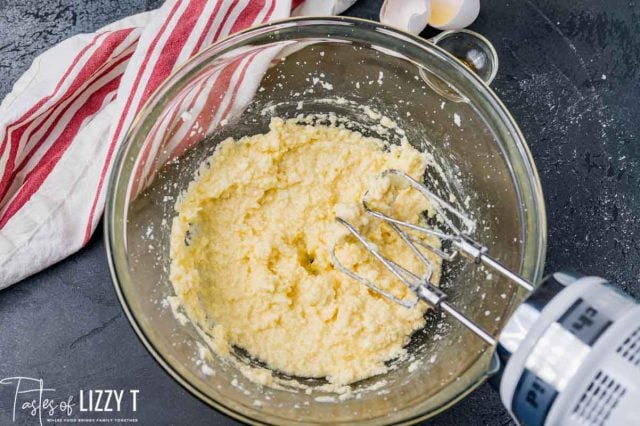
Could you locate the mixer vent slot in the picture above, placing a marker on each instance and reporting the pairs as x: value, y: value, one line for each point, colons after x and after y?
x: 599, y: 400
x: 630, y: 348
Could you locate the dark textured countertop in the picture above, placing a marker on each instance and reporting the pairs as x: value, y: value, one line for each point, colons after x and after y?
x: 569, y: 75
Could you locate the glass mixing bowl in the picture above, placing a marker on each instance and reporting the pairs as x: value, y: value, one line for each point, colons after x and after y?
x: 324, y: 66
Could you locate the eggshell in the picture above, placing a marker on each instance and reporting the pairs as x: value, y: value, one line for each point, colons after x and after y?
x: 453, y: 14
x: 411, y: 16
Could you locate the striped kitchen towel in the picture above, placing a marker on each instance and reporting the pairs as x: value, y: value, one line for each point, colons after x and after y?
x: 67, y: 115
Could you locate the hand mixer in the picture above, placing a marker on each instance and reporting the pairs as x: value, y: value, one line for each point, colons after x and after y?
x: 568, y: 355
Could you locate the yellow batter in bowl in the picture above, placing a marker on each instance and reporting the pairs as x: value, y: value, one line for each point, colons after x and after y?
x: 250, y: 250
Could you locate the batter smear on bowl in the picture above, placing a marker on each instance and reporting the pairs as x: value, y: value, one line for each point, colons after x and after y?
x: 250, y: 250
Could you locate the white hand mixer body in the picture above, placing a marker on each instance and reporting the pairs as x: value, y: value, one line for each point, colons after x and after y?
x: 569, y: 354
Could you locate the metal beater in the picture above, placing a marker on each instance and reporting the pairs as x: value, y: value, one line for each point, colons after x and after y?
x: 568, y: 355
x: 450, y: 233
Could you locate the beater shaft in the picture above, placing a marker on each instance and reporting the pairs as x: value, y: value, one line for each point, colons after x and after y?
x: 469, y: 323
x: 478, y: 253
x: 438, y: 299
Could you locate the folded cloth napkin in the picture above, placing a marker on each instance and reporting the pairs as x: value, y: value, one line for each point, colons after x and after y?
x: 67, y: 115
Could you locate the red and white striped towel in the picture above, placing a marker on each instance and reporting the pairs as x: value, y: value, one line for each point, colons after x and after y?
x: 67, y: 115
